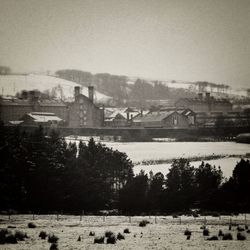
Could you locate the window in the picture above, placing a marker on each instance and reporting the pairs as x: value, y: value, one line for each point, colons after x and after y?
x: 175, y: 120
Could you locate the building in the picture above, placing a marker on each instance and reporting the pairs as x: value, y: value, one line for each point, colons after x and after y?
x: 41, y: 118
x: 205, y: 104
x: 121, y: 117
x: 83, y: 112
x: 13, y: 109
x: 167, y: 118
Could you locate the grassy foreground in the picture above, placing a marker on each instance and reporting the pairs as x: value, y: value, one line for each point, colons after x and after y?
x: 162, y: 232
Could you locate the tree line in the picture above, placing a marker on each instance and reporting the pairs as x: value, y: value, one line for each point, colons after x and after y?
x: 42, y: 173
x: 123, y: 93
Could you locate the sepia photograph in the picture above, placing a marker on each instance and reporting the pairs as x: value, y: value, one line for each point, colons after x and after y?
x: 125, y: 124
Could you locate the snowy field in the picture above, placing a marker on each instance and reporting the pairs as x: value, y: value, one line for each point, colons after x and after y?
x: 165, y: 151
x: 139, y: 151
x: 227, y: 165
x: 163, y: 232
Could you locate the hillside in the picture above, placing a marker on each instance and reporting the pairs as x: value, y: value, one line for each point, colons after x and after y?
x: 12, y: 84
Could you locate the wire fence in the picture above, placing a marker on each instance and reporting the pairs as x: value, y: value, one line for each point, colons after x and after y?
x: 242, y: 219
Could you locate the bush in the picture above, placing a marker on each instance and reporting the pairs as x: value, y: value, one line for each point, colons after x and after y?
x: 3, y: 233
x: 143, y: 223
x: 205, y: 232
x: 109, y: 234
x: 99, y: 240
x: 241, y: 236
x: 213, y: 238
x: 240, y: 229
x: 227, y: 236
x: 79, y: 238
x: 111, y: 239
x: 248, y: 231
x: 195, y: 214
x: 126, y: 231
x: 188, y: 237
x: 120, y: 236
x: 19, y: 235
x: 10, y: 239
x: 52, y: 238
x: 31, y: 225
x: 220, y: 234
x: 53, y: 246
x: 43, y: 235
x: 187, y: 232
x: 91, y: 233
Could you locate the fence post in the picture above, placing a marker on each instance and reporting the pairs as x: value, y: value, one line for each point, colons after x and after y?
x: 57, y: 216
x: 155, y: 220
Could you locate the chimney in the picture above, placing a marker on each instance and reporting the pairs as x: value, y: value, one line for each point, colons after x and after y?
x: 207, y: 96
x: 24, y: 95
x: 77, y: 91
x: 91, y: 93
x: 200, y: 96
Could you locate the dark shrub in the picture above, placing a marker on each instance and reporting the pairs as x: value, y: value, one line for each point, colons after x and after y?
x: 227, y: 236
x: 111, y: 239
x: 10, y: 239
x: 126, y: 231
x: 230, y: 227
x: 175, y: 216
x: 205, y: 232
x: 99, y: 240
x: 241, y: 236
x: 248, y: 231
x: 19, y: 235
x: 109, y: 234
x: 246, y: 227
x: 215, y: 214
x: 195, y: 214
x: 52, y: 238
x: 220, y: 234
x: 143, y: 223
x: 79, y: 238
x: 120, y: 236
x: 53, y: 246
x: 31, y: 225
x: 240, y: 229
x: 3, y: 233
x: 11, y: 226
x: 91, y: 233
x: 187, y: 232
x: 213, y: 238
x: 188, y: 237
x: 43, y: 235
x: 202, y: 227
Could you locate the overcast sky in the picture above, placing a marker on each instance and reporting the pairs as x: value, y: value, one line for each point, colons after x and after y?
x: 189, y: 40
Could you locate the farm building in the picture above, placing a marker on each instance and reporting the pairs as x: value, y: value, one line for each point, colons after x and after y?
x: 121, y: 117
x: 167, y: 118
x: 41, y: 118
x: 13, y: 109
x: 205, y: 104
x: 82, y: 112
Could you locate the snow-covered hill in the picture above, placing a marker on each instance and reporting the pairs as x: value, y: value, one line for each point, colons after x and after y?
x: 11, y: 84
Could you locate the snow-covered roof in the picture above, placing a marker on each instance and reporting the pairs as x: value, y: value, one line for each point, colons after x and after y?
x: 43, y: 117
